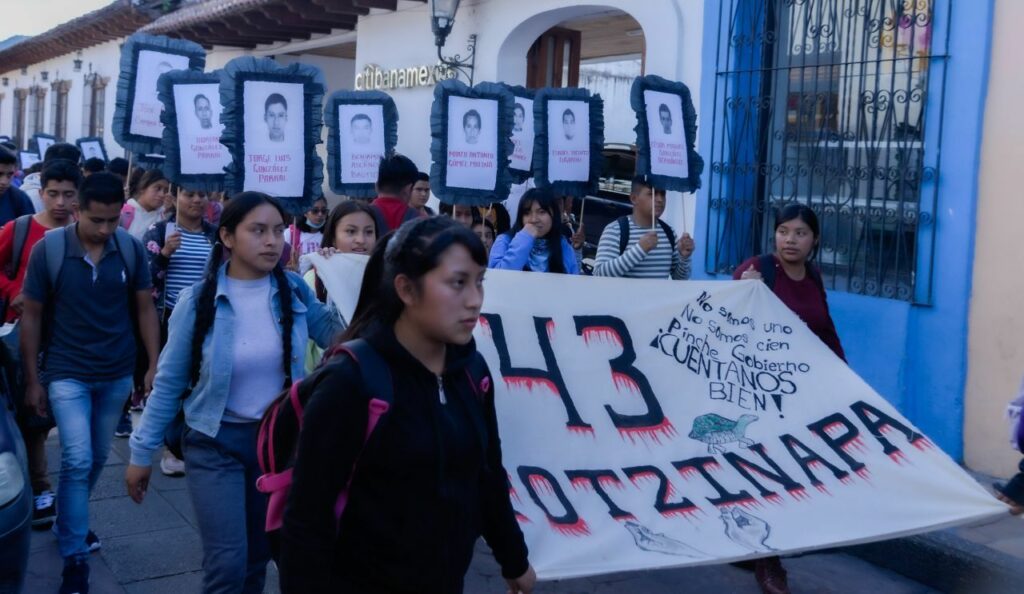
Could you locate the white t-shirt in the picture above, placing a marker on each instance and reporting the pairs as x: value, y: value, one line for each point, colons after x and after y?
x: 142, y: 219
x: 257, y: 368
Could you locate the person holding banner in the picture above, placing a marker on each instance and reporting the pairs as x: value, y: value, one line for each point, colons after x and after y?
x: 351, y: 229
x: 535, y: 242
x: 430, y: 481
x: 790, y: 274
x: 235, y: 338
x: 634, y: 247
x: 306, y: 234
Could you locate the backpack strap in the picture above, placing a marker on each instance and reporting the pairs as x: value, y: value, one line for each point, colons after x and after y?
x: 377, y: 383
x: 22, y: 225
x: 55, y: 244
x: 623, y: 234
x: 128, y: 250
x: 670, y: 234
x: 766, y: 263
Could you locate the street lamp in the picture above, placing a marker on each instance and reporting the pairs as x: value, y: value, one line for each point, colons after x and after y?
x: 442, y: 18
x: 78, y: 61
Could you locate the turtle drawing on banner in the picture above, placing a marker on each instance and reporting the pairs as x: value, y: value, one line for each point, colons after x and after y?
x: 656, y: 542
x: 717, y: 431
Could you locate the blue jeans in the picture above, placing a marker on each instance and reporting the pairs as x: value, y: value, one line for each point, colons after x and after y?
x: 86, y: 415
x: 221, y: 473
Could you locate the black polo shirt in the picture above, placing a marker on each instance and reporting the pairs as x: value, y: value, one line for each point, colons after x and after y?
x: 90, y: 336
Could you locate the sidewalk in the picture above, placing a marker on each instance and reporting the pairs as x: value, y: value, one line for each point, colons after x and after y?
x: 154, y: 548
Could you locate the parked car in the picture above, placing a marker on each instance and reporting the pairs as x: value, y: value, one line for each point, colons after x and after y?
x: 15, y: 499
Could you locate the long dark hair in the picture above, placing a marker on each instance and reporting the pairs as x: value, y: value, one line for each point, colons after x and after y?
x: 143, y: 178
x: 235, y: 211
x: 549, y: 203
x: 341, y: 211
x: 303, y: 224
x: 804, y: 213
x: 414, y: 250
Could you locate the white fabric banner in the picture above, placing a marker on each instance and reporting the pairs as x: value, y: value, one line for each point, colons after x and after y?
x: 650, y: 423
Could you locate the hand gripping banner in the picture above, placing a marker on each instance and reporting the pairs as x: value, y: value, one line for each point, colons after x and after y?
x: 273, y: 117
x: 194, y: 156
x: 136, y: 125
x: 666, y: 132
x: 701, y: 424
x: 362, y: 127
x: 471, y: 146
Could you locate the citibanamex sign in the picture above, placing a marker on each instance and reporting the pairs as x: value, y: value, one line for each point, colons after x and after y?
x: 373, y: 77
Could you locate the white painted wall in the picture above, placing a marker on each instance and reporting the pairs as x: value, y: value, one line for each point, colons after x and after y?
x: 104, y: 59
x: 613, y: 81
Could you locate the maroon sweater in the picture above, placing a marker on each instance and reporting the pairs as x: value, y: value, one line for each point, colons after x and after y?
x: 806, y: 300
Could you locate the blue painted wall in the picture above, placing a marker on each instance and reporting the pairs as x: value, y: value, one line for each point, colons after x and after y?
x: 915, y: 356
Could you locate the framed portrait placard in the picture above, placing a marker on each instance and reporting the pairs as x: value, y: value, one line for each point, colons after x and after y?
x: 568, y: 140
x: 362, y: 127
x: 521, y: 163
x: 666, y: 133
x: 273, y: 118
x: 144, y: 58
x: 471, y: 145
x: 194, y: 156
x: 27, y: 159
x: 43, y: 142
x: 92, y: 147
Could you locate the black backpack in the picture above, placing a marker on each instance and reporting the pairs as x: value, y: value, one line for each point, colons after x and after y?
x: 624, y: 233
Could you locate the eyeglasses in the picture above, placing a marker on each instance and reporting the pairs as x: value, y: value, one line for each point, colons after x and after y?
x: 318, y: 211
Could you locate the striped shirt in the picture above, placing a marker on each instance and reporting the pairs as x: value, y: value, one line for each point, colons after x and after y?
x: 186, y: 266
x: 663, y: 261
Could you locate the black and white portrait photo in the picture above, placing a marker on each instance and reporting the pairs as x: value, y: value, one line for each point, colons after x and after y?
x: 472, y: 142
x: 203, y: 110
x: 361, y: 140
x: 522, y: 134
x: 274, y: 156
x: 666, y: 135
x: 568, y: 140
x: 198, y: 108
x: 146, y: 106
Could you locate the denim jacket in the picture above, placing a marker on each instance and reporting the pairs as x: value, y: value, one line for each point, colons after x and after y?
x: 204, y: 408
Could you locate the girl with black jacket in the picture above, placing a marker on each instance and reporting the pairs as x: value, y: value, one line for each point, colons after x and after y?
x: 429, y: 480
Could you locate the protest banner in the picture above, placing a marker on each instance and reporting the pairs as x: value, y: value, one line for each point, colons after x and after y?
x: 136, y: 125
x: 521, y: 164
x: 568, y: 140
x: 43, y: 142
x: 666, y: 132
x: 92, y: 147
x: 471, y: 146
x: 702, y: 424
x: 362, y: 127
x: 273, y: 118
x: 194, y: 156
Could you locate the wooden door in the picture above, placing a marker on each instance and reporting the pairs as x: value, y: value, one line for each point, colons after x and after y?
x: 554, y: 59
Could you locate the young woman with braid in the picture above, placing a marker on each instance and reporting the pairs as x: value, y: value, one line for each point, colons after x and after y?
x: 231, y: 348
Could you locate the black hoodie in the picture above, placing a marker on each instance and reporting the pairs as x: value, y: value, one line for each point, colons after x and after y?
x: 429, y: 483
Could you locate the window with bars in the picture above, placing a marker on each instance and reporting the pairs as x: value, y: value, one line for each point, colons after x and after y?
x: 825, y: 103
x: 20, y: 95
x: 59, y: 108
x: 94, y: 105
x: 36, y: 111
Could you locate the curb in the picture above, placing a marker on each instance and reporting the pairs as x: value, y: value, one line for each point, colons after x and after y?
x: 946, y: 562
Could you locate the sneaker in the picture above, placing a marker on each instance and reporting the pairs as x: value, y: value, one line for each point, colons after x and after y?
x: 124, y: 426
x: 75, y: 577
x: 45, y: 511
x: 171, y: 466
x: 92, y: 542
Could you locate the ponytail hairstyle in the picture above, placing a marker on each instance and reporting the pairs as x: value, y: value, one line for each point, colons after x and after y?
x: 547, y: 201
x: 235, y: 211
x: 413, y: 250
x: 341, y: 211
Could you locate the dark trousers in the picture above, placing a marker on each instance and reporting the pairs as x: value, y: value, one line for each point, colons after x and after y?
x: 221, y: 473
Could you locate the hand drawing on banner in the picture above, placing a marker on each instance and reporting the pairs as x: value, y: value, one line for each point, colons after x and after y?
x: 472, y: 142
x: 362, y: 142
x: 659, y: 543
x: 746, y: 530
x: 568, y: 140
x: 274, y: 124
x: 146, y: 106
